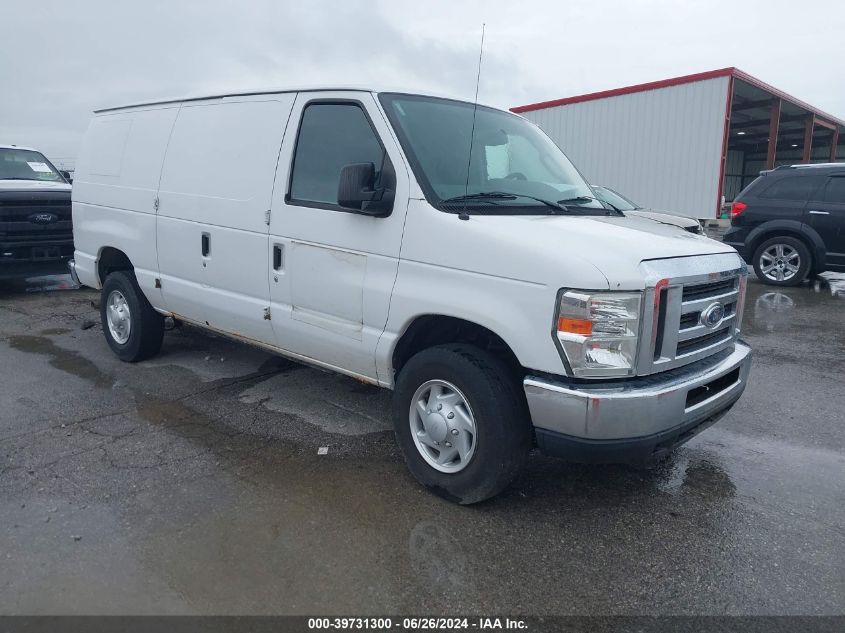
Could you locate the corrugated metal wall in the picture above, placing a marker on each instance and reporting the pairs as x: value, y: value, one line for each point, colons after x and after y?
x: 734, y: 174
x: 661, y: 148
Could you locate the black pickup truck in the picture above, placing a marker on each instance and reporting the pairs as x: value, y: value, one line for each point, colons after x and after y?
x: 36, y: 232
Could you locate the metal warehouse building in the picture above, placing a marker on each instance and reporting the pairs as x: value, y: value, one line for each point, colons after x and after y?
x: 688, y: 144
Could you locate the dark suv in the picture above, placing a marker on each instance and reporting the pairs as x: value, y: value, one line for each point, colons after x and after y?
x: 790, y: 222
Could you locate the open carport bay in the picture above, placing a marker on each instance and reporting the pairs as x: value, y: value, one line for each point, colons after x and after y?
x: 192, y: 483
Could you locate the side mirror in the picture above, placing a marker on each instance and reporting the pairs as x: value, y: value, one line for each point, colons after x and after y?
x: 66, y: 175
x: 356, y: 190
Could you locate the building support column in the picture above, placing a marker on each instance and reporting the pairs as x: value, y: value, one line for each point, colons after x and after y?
x: 774, y: 126
x: 808, y: 138
x: 833, y: 144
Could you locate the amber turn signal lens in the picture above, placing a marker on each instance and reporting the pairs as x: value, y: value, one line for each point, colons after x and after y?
x: 575, y: 326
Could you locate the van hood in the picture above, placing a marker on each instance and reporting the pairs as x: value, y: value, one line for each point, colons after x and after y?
x: 614, y: 245
x: 665, y: 217
x: 33, y: 185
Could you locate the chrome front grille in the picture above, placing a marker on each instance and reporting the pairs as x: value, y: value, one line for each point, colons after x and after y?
x: 679, y: 291
x: 703, y: 291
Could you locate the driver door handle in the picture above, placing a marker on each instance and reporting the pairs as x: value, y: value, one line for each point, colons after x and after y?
x: 817, y: 212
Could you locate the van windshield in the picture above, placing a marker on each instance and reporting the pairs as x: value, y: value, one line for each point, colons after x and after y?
x: 25, y: 164
x: 515, y: 168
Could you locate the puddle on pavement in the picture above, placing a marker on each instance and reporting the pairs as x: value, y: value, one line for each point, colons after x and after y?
x: 682, y: 475
x: 61, y: 358
x: 815, y: 305
x: 835, y: 283
x: 54, y: 331
x: 168, y: 413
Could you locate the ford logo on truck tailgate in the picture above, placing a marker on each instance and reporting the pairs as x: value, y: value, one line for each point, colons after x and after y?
x: 43, y: 218
x: 713, y: 315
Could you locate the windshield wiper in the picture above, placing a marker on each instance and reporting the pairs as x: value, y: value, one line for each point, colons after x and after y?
x: 582, y: 199
x: 482, y: 196
x: 579, y: 199
x: 505, y: 195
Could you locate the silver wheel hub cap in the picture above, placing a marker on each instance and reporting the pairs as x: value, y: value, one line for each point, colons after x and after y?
x: 443, y: 426
x: 780, y: 262
x: 118, y: 317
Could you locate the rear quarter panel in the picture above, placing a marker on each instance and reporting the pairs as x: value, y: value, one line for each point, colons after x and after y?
x: 114, y: 191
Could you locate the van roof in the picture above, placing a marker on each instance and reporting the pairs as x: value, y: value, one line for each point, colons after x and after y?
x: 269, y: 91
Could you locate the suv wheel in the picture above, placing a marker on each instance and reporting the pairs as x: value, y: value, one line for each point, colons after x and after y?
x: 461, y: 422
x: 133, y: 329
x: 782, y: 261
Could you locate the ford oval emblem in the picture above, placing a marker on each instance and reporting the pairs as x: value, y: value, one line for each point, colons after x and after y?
x: 43, y: 218
x: 712, y: 315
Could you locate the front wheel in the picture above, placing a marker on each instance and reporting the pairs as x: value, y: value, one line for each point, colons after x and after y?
x: 461, y: 422
x: 133, y: 329
x: 782, y: 261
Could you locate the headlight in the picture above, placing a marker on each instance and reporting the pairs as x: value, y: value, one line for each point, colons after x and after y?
x: 598, y: 332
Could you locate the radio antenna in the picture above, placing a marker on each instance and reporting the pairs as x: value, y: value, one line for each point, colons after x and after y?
x: 463, y: 215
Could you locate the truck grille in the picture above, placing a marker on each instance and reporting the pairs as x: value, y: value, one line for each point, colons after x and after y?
x: 682, y: 291
x: 702, y: 342
x: 35, y: 225
x: 701, y: 291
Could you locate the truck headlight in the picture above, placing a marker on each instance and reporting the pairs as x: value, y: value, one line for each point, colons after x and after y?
x: 598, y: 332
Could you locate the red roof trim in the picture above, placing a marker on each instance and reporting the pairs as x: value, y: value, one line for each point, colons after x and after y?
x: 652, y: 85
x: 677, y: 81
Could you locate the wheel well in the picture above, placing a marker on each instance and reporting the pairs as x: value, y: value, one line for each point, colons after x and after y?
x: 430, y: 330
x: 111, y: 260
x: 811, y: 247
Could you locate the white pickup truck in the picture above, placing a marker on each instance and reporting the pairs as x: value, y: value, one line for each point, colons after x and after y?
x: 447, y: 251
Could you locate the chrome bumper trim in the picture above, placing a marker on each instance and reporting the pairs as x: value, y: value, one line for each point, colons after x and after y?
x: 635, y: 408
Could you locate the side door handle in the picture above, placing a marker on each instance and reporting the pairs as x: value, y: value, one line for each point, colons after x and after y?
x: 817, y: 212
x: 206, y: 244
x: 277, y: 257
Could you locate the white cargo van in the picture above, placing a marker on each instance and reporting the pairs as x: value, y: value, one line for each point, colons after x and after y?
x: 445, y: 251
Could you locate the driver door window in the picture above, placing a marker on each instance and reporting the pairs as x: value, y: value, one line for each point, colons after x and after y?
x: 331, y: 136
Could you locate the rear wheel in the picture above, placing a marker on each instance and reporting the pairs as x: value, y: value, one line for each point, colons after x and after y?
x: 132, y: 327
x: 782, y: 261
x: 461, y: 422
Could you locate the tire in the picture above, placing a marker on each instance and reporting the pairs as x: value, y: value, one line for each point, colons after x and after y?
x: 495, y: 405
x: 782, y: 261
x: 136, y: 330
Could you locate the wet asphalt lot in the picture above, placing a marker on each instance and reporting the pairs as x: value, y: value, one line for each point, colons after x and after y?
x: 192, y: 484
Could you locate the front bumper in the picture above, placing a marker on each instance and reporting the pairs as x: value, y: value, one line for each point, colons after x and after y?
x: 638, y: 419
x: 22, y: 269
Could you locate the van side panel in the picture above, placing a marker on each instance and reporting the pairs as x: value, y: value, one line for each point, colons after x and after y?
x: 216, y: 188
x: 114, y: 191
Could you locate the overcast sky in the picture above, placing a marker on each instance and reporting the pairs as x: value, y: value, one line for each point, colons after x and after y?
x: 60, y: 59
